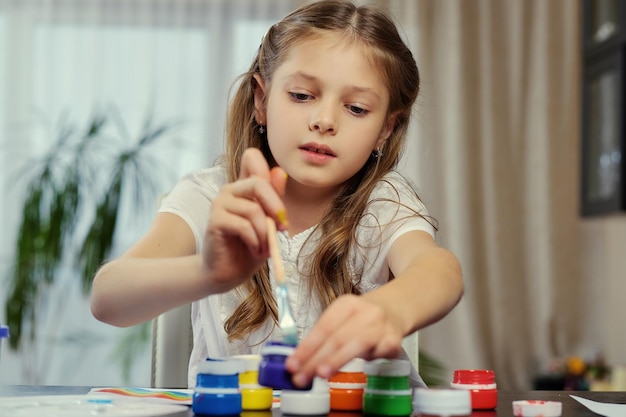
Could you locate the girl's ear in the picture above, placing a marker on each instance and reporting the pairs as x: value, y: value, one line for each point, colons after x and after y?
x: 258, y: 86
x: 386, y: 131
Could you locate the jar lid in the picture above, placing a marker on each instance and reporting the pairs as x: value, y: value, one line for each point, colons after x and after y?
x: 388, y: 367
x: 4, y: 332
x: 230, y: 366
x: 536, y: 408
x: 277, y: 348
x: 313, y: 402
x: 474, y: 376
x: 250, y: 362
x: 355, y: 365
x: 442, y: 401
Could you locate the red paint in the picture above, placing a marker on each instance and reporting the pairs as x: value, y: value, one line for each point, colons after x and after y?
x: 482, y: 386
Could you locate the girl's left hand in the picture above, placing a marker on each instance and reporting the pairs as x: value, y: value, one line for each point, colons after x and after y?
x: 352, y: 326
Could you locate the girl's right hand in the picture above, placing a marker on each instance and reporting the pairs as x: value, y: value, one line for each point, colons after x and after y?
x: 235, y: 243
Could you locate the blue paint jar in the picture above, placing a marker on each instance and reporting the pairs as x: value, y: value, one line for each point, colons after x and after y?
x: 272, y: 370
x: 217, y: 388
x: 4, y: 333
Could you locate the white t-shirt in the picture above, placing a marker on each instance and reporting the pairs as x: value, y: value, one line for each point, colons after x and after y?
x: 383, y: 222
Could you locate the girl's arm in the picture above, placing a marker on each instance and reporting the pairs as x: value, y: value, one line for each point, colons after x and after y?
x: 428, y: 282
x: 427, y: 285
x: 160, y: 272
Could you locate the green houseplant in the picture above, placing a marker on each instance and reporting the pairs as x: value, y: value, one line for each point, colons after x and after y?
x: 71, y: 207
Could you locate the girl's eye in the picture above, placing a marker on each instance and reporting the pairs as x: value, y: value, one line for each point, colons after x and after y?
x: 357, y: 110
x: 300, y: 96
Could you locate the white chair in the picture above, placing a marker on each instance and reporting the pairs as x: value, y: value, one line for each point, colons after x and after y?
x: 172, y: 340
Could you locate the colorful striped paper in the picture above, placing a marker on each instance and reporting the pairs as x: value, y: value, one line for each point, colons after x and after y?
x: 179, y: 396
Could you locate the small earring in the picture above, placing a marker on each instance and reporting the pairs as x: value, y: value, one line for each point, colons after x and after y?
x: 261, y: 129
x: 377, y: 153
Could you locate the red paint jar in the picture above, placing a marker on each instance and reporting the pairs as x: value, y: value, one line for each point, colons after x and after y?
x: 482, y: 386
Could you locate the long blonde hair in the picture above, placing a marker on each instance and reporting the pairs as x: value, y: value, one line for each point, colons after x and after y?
x: 367, y: 26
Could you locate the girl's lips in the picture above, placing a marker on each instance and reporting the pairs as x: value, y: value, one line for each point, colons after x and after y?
x: 316, y: 156
x: 317, y: 148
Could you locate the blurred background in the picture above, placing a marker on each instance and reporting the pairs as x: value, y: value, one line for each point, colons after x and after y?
x: 515, y: 147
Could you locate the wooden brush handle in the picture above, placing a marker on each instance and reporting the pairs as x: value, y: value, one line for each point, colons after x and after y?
x: 277, y: 261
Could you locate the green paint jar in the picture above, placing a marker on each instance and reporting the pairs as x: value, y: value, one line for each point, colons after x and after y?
x: 387, y: 389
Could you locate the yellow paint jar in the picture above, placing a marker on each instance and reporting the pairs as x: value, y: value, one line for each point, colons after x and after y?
x: 253, y: 395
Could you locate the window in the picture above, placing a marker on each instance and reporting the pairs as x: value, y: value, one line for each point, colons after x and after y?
x: 603, y: 183
x: 175, y: 60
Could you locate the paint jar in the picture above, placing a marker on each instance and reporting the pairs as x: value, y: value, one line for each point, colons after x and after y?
x: 256, y: 413
x: 313, y: 402
x: 481, y: 383
x: 217, y: 388
x: 341, y: 413
x: 253, y: 395
x: 4, y: 334
x: 347, y: 387
x: 387, y: 390
x: 442, y: 402
x: 272, y: 370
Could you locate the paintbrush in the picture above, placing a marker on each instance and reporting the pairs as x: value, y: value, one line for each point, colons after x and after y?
x: 285, y: 317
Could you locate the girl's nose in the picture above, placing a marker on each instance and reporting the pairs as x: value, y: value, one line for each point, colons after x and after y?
x: 324, y: 121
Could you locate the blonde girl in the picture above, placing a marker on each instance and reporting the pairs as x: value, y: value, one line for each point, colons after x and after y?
x: 315, y: 131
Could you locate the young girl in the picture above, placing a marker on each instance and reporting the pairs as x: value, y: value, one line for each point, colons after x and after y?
x: 314, y: 133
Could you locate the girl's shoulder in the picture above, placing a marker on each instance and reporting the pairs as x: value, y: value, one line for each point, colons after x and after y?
x: 397, y: 177
x: 191, y: 198
x: 396, y: 187
x: 204, y: 182
x: 213, y: 177
x: 395, y: 199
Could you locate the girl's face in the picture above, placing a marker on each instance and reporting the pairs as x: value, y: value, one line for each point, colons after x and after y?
x: 326, y: 111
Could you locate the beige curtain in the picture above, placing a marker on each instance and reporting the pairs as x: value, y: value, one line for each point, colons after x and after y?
x: 495, y: 152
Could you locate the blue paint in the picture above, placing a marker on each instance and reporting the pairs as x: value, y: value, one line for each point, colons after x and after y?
x: 272, y: 370
x: 217, y: 388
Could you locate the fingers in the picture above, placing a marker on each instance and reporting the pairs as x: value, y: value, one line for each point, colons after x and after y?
x: 237, y: 215
x: 253, y: 163
x: 242, y: 207
x: 278, y: 178
x: 254, y: 166
x: 350, y: 327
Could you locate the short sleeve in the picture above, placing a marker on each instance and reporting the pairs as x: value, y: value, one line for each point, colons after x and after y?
x: 191, y: 199
x: 394, y: 209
